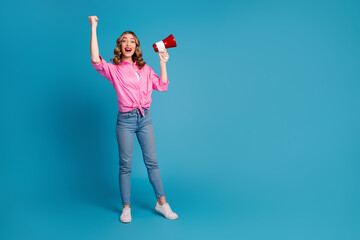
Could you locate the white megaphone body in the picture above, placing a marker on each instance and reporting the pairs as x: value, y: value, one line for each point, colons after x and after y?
x: 168, y: 42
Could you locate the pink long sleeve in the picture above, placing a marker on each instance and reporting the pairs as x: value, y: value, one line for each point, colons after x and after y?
x: 158, y: 83
x: 104, y: 68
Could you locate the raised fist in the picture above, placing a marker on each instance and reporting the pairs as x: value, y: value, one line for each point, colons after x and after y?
x: 93, y: 20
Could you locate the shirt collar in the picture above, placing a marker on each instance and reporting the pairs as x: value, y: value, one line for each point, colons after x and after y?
x: 127, y: 63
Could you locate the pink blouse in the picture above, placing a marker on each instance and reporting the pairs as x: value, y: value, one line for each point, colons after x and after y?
x: 131, y: 92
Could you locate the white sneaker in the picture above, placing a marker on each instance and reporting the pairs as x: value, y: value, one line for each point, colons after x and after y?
x: 126, y: 215
x: 166, y: 211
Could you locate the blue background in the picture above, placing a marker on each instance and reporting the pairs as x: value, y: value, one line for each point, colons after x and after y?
x: 257, y: 136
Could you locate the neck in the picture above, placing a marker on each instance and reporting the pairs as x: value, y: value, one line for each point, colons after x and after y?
x: 127, y: 59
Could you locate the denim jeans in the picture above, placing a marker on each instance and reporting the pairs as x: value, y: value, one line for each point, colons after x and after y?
x: 129, y: 123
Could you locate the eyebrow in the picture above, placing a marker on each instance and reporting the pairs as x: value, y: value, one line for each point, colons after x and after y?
x: 130, y: 38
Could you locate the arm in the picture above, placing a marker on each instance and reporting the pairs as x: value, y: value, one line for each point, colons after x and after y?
x: 94, y: 48
x: 104, y: 68
x: 161, y: 84
x: 163, y: 60
x: 163, y: 74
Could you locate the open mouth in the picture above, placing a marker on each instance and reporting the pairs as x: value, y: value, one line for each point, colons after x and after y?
x: 128, y: 49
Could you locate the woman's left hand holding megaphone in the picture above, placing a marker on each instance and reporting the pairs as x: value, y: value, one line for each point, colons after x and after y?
x: 164, y: 56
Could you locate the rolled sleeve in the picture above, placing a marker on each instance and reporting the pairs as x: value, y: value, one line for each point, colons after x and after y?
x: 158, y: 83
x: 104, y: 68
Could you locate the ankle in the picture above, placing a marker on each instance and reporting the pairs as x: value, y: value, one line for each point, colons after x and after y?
x: 161, y: 200
x: 161, y: 203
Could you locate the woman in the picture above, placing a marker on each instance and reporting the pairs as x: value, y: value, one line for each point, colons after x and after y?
x: 133, y: 81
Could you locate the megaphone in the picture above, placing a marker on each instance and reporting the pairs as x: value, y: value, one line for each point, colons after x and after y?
x: 168, y: 42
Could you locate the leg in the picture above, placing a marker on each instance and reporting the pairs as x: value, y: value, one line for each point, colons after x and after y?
x: 146, y: 137
x: 125, y: 138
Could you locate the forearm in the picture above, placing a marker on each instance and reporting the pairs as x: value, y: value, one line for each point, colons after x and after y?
x: 94, y: 48
x: 163, y: 74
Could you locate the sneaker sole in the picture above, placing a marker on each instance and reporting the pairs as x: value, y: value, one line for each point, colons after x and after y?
x: 126, y: 221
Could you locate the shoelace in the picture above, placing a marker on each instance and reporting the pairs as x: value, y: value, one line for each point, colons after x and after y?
x: 167, y: 209
x: 126, y: 212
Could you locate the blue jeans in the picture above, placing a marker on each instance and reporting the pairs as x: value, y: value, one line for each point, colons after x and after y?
x: 127, y: 124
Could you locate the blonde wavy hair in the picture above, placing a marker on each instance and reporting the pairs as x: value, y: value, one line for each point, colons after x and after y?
x: 137, y: 56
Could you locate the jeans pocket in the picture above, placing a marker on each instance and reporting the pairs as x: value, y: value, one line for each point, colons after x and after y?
x: 146, y: 111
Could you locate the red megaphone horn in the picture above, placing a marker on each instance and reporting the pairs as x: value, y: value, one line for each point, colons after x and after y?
x: 168, y: 42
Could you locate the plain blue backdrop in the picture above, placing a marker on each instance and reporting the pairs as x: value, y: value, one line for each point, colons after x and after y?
x: 258, y: 135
